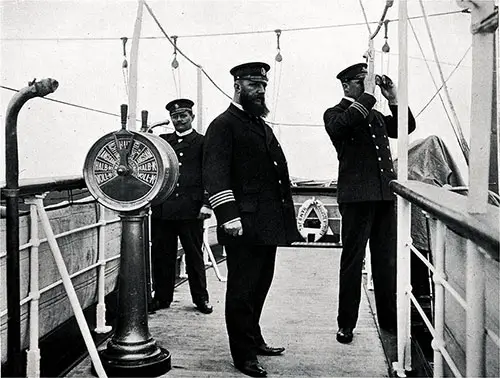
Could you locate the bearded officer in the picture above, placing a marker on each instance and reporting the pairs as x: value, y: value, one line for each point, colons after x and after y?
x: 246, y: 175
x: 181, y: 215
x: 360, y: 135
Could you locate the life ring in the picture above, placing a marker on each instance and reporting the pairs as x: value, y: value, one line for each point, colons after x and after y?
x: 307, y: 207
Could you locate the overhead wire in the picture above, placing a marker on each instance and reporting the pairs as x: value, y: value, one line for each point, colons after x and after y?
x: 213, y: 35
x: 438, y: 89
x: 182, y: 53
x: 292, y: 29
x: 442, y: 85
x: 461, y: 140
x: 70, y: 104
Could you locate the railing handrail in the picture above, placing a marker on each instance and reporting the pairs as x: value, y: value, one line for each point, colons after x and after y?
x: 29, y: 187
x: 451, y: 208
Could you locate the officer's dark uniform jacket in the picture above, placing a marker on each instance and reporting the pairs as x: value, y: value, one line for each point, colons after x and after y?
x: 360, y: 136
x: 188, y: 196
x: 246, y: 175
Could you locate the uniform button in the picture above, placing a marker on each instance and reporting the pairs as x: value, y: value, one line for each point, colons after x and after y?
x: 181, y: 154
x: 276, y: 164
x: 370, y: 124
x: 283, y: 200
x: 177, y: 184
x: 177, y: 194
x: 373, y: 135
x: 381, y: 170
x: 379, y: 159
x: 180, y: 163
x: 179, y: 140
x: 279, y: 181
x: 376, y: 147
x: 392, y: 170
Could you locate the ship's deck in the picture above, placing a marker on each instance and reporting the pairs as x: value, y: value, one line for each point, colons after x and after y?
x: 300, y: 314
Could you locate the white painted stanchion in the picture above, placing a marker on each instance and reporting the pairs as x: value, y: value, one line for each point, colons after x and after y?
x: 368, y: 269
x: 182, y: 266
x: 101, y: 326
x: 208, y: 251
x: 70, y: 290
x: 33, y: 355
x: 439, y: 278
x: 475, y: 358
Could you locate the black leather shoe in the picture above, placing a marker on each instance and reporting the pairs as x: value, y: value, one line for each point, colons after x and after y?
x: 157, y: 304
x: 204, y: 307
x: 266, y: 350
x: 344, y: 335
x: 251, y: 368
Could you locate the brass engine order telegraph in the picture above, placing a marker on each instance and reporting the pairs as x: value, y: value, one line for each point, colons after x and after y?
x: 126, y: 171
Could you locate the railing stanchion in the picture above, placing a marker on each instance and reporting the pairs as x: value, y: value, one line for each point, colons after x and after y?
x: 403, y: 286
x: 101, y: 326
x: 475, y: 366
x: 33, y: 355
x: 439, y: 277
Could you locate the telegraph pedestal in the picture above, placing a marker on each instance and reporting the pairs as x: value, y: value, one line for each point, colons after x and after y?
x: 126, y: 171
x: 132, y: 351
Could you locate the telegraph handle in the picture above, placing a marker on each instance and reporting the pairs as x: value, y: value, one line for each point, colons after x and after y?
x: 123, y: 111
x: 144, y: 118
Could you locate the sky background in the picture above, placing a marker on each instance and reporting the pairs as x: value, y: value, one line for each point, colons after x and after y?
x: 78, y: 43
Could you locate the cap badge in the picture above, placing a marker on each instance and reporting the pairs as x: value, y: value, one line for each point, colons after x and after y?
x: 263, y: 71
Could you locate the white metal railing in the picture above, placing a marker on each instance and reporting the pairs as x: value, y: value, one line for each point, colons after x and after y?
x: 38, y: 212
x: 473, y: 304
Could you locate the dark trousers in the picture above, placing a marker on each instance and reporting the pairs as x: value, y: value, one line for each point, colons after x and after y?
x: 164, y: 235
x: 250, y: 273
x: 361, y: 221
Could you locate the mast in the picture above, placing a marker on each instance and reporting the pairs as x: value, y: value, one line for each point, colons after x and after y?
x: 482, y: 29
x: 134, y: 58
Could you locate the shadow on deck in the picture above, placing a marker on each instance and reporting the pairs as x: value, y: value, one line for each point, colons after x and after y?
x: 300, y: 314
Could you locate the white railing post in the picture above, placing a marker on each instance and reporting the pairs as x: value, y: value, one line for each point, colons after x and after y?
x: 368, y: 269
x: 403, y: 279
x: 70, y: 290
x: 475, y: 364
x: 101, y: 326
x: 439, y: 277
x: 207, y: 250
x: 33, y: 355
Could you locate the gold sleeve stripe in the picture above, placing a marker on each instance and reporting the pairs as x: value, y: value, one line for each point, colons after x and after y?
x: 221, y: 198
x: 359, y: 107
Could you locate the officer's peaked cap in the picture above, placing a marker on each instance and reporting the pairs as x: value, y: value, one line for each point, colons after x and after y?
x: 179, y: 105
x: 356, y: 71
x: 255, y: 71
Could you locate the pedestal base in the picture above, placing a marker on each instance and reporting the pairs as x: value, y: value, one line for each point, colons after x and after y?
x: 149, y: 367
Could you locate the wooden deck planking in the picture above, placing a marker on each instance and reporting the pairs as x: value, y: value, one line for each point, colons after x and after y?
x: 300, y: 314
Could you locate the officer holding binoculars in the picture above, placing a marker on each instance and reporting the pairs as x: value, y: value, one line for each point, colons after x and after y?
x: 360, y: 136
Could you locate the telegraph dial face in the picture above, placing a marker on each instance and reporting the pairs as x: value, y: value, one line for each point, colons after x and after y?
x: 127, y: 170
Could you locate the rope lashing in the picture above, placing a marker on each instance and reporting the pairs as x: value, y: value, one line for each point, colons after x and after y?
x: 278, y: 57
x: 125, y: 64
x: 487, y: 25
x: 175, y: 63
x: 386, y: 48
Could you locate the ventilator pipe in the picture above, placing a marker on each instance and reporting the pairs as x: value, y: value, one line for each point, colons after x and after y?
x: 11, y: 193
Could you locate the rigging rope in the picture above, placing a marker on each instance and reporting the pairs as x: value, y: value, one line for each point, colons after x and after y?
x: 70, y: 104
x: 438, y: 89
x: 461, y: 139
x: 182, y: 53
x: 442, y: 85
x: 62, y: 39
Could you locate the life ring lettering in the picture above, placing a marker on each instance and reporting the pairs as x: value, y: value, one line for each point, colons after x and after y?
x: 310, y: 205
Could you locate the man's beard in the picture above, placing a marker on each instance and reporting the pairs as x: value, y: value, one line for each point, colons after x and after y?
x: 255, y: 108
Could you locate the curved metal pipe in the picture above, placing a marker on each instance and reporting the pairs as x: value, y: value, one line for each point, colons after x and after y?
x: 11, y: 193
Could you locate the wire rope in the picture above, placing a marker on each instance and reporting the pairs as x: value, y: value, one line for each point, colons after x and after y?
x: 461, y: 140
